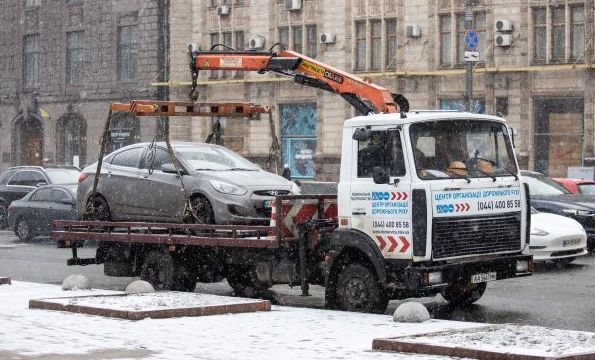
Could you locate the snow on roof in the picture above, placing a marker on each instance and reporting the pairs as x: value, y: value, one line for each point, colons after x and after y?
x: 416, y: 116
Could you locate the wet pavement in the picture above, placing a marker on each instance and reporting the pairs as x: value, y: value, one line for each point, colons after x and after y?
x: 558, y: 297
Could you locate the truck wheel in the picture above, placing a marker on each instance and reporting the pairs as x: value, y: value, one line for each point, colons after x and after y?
x: 184, y: 278
x: 23, y: 230
x: 358, y: 290
x: 158, y: 269
x: 101, y: 213
x: 463, y: 294
x: 244, y: 282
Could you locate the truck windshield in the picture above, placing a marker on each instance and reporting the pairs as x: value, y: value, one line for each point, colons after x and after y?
x: 462, y: 149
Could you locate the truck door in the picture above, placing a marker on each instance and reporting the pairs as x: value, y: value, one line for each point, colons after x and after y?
x: 381, y: 207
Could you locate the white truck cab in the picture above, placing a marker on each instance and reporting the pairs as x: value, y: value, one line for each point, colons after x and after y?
x: 437, y: 196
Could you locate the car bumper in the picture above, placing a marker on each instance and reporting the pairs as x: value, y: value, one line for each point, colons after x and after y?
x: 419, y: 278
x: 246, y: 209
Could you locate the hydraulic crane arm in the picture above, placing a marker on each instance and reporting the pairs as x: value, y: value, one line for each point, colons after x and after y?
x: 365, y: 96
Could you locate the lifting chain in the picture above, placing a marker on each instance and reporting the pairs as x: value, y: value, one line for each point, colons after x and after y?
x: 151, y: 151
x: 193, y: 92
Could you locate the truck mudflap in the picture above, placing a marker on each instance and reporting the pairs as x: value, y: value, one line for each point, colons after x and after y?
x: 429, y: 277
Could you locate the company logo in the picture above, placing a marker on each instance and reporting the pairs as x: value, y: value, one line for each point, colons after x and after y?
x: 393, y: 195
x: 450, y: 208
x: 308, y: 66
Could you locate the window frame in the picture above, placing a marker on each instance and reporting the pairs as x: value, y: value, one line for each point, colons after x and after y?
x: 141, y: 151
x: 31, y: 70
x: 75, y: 66
x: 126, y: 63
x: 27, y: 170
x: 360, y: 36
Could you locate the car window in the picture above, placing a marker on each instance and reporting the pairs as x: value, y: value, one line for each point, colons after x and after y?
x: 42, y: 195
x: 544, y: 186
x: 27, y: 178
x: 156, y: 158
x: 588, y: 189
x: 63, y: 176
x: 60, y: 195
x: 5, y: 176
x: 128, y: 158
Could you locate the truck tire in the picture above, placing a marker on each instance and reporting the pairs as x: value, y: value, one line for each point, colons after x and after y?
x: 463, y: 294
x: 158, y: 269
x: 244, y: 282
x: 184, y: 278
x: 359, y: 290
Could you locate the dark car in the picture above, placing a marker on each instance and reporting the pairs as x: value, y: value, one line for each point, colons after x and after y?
x: 17, y: 182
x: 549, y: 196
x: 32, y: 215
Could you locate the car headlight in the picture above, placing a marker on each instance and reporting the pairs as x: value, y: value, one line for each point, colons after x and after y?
x: 576, y: 212
x: 295, y: 189
x: 538, y: 232
x: 226, y: 188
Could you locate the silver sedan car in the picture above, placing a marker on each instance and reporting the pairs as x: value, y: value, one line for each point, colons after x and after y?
x: 140, y: 183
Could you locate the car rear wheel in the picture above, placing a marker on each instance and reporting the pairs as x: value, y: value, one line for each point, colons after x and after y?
x: 463, y: 294
x: 97, y: 209
x: 23, y: 230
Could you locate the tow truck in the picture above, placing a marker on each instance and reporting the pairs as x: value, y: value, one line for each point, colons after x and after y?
x: 405, y: 222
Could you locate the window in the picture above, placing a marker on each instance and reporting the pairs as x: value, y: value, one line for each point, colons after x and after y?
x: 501, y: 106
x: 214, y: 39
x: 577, y: 32
x: 27, y: 178
x: 74, y: 57
x: 383, y: 149
x: 284, y: 36
x: 128, y: 158
x: 154, y: 160
x: 311, y: 41
x: 297, y: 33
x: 360, y: 45
x: 445, y: 40
x: 376, y: 45
x: 31, y: 54
x: 240, y: 42
x: 391, y: 44
x: 298, y: 138
x: 32, y: 3
x: 227, y: 39
x: 127, y: 51
x: 60, y: 195
x: 558, y: 33
x: 42, y: 195
x: 540, y: 33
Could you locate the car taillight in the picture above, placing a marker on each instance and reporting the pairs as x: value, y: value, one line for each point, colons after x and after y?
x: 83, y: 176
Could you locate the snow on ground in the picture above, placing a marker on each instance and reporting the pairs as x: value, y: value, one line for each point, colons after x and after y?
x: 526, y: 340
x: 283, y: 333
x: 151, y: 301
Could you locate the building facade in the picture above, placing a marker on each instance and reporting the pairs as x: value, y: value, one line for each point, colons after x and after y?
x: 535, y: 69
x: 63, y: 62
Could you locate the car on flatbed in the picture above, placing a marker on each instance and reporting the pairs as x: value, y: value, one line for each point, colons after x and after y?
x: 140, y: 183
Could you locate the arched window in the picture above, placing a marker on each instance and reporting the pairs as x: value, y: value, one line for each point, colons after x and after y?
x: 71, y: 139
x: 27, y: 140
x: 124, y: 131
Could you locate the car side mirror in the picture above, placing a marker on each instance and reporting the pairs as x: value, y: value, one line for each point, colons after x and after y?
x: 379, y: 175
x: 361, y: 134
x: 169, y: 168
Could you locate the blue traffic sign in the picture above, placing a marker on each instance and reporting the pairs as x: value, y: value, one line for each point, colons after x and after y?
x: 471, y: 40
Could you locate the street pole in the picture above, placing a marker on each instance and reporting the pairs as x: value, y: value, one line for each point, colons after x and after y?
x: 468, y: 64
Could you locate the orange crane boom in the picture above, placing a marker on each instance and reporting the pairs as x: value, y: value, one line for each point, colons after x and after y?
x: 365, y: 96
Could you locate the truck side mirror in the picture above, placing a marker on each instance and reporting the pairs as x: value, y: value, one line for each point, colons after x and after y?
x: 379, y: 175
x: 361, y: 134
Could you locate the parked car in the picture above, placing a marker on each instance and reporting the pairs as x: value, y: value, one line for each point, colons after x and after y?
x: 32, y: 215
x: 578, y: 186
x: 17, y: 182
x: 556, y: 238
x: 549, y: 196
x: 139, y: 183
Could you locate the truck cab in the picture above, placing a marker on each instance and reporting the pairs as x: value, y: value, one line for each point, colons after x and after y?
x: 430, y: 202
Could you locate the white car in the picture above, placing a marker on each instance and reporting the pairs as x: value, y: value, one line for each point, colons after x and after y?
x: 556, y: 238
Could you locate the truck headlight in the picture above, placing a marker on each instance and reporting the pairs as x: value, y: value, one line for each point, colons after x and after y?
x: 226, y: 188
x: 522, y: 266
x: 435, y: 277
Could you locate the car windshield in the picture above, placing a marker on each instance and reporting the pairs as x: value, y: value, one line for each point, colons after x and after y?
x: 462, y: 148
x: 588, y: 189
x: 214, y: 158
x: 544, y: 186
x: 63, y: 176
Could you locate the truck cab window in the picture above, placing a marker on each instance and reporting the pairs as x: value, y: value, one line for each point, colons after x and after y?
x: 383, y: 149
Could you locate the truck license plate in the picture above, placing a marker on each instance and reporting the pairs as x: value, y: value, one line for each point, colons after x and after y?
x: 483, y: 277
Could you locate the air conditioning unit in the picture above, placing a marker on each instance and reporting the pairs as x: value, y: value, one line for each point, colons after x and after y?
x: 503, y: 40
x: 504, y: 25
x: 292, y: 5
x: 256, y: 43
x: 413, y: 31
x: 223, y: 10
x: 327, y: 38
